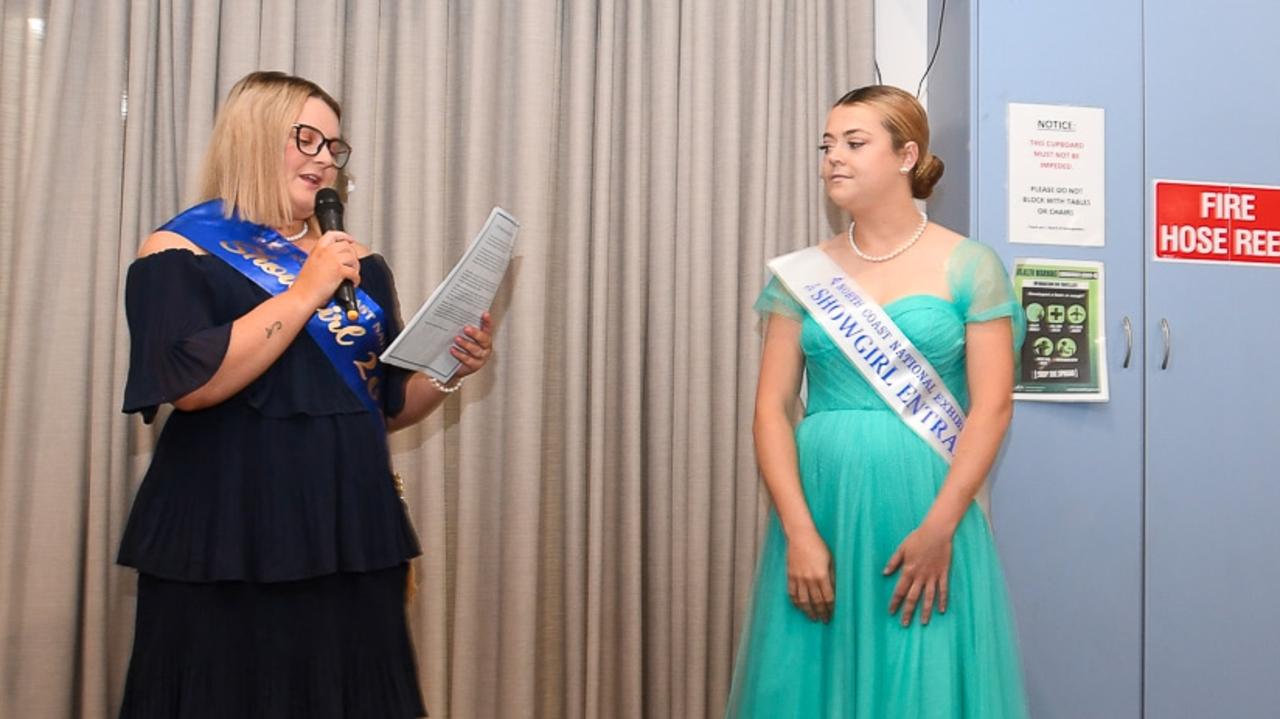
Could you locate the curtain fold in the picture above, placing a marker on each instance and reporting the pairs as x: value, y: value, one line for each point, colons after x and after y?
x: 588, y: 504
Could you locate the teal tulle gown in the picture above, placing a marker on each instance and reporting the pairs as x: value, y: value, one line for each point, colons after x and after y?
x: 869, y: 481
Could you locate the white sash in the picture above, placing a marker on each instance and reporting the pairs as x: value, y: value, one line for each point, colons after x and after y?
x: 898, y: 372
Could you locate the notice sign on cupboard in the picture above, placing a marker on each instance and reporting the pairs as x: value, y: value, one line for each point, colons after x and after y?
x: 1223, y: 223
x: 1057, y: 163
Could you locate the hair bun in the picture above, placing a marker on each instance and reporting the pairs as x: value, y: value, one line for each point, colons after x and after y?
x: 925, y: 175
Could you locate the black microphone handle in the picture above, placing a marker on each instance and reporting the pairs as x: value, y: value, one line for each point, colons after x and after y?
x: 329, y: 215
x: 346, y: 296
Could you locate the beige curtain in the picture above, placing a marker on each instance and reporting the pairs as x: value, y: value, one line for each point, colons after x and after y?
x: 589, y: 505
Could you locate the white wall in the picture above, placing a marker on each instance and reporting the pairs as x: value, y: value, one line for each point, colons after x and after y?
x: 902, y: 34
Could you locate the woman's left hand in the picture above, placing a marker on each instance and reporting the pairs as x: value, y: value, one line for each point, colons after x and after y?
x: 474, y: 347
x: 925, y: 560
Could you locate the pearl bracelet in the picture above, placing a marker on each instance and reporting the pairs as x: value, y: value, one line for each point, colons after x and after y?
x: 457, y: 384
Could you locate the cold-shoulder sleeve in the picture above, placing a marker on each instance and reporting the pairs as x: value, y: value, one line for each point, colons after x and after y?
x: 775, y: 300
x: 377, y: 280
x: 175, y: 344
x: 982, y: 289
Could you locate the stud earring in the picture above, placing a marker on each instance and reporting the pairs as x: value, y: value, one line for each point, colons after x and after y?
x: 904, y: 170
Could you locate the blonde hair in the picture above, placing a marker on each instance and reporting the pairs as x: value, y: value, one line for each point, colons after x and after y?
x: 243, y: 165
x: 906, y: 121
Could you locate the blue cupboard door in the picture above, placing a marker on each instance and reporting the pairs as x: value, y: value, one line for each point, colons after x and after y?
x: 1067, y: 489
x: 1212, y: 505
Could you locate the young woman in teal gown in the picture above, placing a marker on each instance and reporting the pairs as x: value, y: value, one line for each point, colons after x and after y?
x: 879, y: 594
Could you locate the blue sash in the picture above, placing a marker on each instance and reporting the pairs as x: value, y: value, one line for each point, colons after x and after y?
x: 272, y: 263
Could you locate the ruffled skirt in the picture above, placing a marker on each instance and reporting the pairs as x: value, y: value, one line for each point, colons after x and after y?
x: 330, y: 647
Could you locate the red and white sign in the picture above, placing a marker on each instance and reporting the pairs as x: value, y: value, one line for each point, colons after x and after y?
x: 1217, y: 223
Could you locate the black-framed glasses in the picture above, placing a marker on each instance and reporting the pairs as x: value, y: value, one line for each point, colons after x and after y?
x: 311, y: 141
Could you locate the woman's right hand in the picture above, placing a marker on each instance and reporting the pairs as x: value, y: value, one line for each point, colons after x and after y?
x: 331, y: 261
x: 810, y: 576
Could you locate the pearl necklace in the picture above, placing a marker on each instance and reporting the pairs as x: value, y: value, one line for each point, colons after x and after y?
x: 924, y: 222
x: 301, y: 233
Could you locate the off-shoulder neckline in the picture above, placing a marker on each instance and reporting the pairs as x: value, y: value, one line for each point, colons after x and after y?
x: 946, y: 269
x: 177, y: 251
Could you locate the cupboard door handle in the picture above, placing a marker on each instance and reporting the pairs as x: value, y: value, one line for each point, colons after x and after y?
x: 1128, y: 342
x: 1168, y: 342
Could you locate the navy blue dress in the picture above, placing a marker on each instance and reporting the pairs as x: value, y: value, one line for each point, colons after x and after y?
x: 269, y: 539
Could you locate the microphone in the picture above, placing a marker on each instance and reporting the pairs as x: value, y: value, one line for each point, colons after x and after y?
x: 329, y: 215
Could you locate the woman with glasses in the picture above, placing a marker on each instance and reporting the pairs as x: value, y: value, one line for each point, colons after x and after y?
x: 271, y: 546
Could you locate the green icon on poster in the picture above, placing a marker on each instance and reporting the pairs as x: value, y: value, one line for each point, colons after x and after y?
x: 1043, y: 346
x: 1056, y: 314
x: 1066, y: 347
x: 1035, y: 312
x: 1076, y: 314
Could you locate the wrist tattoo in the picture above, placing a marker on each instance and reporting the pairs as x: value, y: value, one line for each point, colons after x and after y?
x: 272, y: 329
